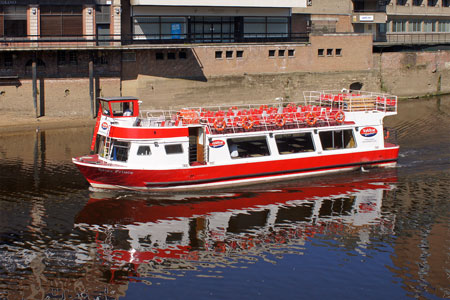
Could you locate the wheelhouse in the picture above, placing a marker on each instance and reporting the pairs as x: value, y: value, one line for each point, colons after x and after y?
x: 119, y: 107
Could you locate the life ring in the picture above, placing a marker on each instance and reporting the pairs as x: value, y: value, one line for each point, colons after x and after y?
x: 280, y: 120
x: 220, y: 124
x: 247, y: 122
x: 339, y: 117
x: 311, y: 118
x: 386, y: 136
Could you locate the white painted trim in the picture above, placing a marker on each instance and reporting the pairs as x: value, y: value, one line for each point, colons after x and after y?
x: 209, y: 11
x: 225, y: 3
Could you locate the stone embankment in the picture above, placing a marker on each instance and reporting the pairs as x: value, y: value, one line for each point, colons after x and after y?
x: 67, y: 103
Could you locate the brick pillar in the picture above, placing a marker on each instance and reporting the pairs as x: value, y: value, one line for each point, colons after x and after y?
x: 33, y: 22
x: 89, y: 23
x: 116, y: 12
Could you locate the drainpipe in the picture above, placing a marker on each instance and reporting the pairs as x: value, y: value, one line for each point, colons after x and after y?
x: 91, y: 84
x: 34, y: 80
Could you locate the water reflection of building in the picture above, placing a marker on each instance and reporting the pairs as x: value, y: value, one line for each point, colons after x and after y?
x: 143, y: 236
x: 421, y: 250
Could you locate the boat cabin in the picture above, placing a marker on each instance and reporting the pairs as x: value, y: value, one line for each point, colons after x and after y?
x: 119, y: 107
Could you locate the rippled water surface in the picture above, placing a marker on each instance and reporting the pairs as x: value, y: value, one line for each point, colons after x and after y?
x: 382, y: 234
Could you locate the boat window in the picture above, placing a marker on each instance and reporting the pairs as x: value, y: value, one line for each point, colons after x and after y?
x: 105, y: 107
x: 144, y: 150
x: 120, y: 109
x: 337, y: 139
x: 248, y: 147
x: 119, y: 150
x: 174, y: 149
x: 294, y: 143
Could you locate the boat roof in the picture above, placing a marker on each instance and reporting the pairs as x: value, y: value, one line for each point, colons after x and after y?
x: 116, y: 98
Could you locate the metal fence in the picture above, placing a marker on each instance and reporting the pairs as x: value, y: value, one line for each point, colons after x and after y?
x: 146, y: 39
x: 414, y: 38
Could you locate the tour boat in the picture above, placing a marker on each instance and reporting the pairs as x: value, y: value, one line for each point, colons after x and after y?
x: 210, y: 147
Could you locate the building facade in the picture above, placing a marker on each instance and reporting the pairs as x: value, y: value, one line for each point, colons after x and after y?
x: 92, y: 48
x: 395, y: 22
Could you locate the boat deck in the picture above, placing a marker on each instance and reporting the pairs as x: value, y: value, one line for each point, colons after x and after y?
x: 317, y: 110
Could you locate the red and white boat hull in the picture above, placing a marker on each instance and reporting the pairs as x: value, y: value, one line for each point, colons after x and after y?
x: 207, y: 176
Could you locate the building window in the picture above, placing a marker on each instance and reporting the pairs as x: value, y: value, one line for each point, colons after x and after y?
x: 417, y: 2
x: 338, y: 52
x: 329, y: 52
x: 337, y: 139
x: 229, y: 54
x: 171, y: 55
x: 271, y: 53
x: 320, y: 52
x: 398, y: 26
x: 266, y: 27
x: 8, y: 59
x: 218, y: 54
x: 159, y: 28
x: 73, y: 58
x: 61, y: 58
x: 415, y: 26
x: 291, y: 52
x: 159, y: 56
x: 446, y: 3
x: 13, y: 21
x: 429, y: 26
x: 212, y: 29
x: 281, y: 53
x: 401, y: 2
x: 103, y: 14
x: 444, y: 26
x: 61, y: 21
x: 239, y: 54
x: 432, y: 2
x: 182, y: 55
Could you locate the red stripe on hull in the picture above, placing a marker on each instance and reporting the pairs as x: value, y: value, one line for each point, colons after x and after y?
x: 147, y: 133
x: 134, y: 178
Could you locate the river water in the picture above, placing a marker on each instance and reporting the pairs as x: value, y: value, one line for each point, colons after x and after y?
x: 374, y: 234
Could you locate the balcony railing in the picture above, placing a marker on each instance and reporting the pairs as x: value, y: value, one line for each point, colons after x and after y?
x: 414, y: 38
x: 143, y: 39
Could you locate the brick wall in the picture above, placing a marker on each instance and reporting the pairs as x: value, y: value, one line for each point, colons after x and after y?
x: 189, y: 77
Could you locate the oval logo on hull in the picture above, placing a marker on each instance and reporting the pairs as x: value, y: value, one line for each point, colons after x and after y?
x: 217, y: 144
x: 104, y: 125
x: 368, y: 131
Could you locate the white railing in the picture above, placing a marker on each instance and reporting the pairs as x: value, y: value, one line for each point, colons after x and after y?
x: 352, y: 101
x: 325, y: 108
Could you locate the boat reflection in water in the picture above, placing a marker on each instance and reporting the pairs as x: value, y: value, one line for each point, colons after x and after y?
x: 144, y: 237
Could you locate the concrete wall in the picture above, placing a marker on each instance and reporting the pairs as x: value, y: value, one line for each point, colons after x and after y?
x: 326, y: 7
x: 414, y: 73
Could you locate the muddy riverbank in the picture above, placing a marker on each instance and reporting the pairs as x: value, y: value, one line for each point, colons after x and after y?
x: 14, y: 123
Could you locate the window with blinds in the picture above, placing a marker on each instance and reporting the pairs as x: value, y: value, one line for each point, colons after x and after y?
x: 13, y: 21
x: 61, y: 21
